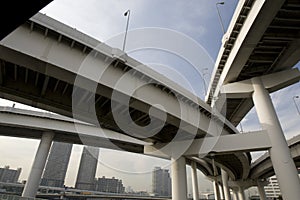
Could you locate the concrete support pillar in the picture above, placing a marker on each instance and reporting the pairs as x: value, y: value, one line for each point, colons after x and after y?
x: 241, y: 193
x: 235, y: 195
x: 280, y: 155
x: 221, y: 192
x: 225, y: 185
x: 261, y: 191
x: 179, y: 179
x: 215, y: 182
x: 38, y: 166
x: 195, y: 181
x: 216, y: 190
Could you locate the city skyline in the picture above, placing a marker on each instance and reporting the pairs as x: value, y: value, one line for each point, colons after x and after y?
x: 288, y: 116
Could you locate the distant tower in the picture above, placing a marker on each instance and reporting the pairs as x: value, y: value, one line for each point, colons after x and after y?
x: 57, y: 165
x: 87, y: 168
x: 161, y: 182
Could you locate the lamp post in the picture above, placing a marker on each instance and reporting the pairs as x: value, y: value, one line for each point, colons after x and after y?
x: 242, y: 130
x: 296, y: 97
x: 126, y: 14
x: 204, y: 83
x: 220, y: 18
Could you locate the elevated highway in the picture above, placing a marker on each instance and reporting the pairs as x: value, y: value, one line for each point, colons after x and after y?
x: 262, y: 168
x: 32, y: 124
x: 256, y: 58
x: 43, y: 64
x: 49, y: 65
x: 263, y: 38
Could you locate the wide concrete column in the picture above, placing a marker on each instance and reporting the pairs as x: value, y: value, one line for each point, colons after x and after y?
x: 241, y: 193
x: 38, y: 165
x: 195, y: 181
x: 225, y: 185
x: 280, y: 155
x: 179, y: 179
x: 261, y: 191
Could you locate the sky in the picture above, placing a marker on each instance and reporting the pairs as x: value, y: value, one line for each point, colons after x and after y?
x: 197, y: 21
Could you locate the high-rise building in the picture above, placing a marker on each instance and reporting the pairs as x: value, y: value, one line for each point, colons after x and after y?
x: 272, y: 189
x: 110, y: 185
x: 87, y: 168
x: 57, y: 165
x: 161, y: 182
x: 9, y: 175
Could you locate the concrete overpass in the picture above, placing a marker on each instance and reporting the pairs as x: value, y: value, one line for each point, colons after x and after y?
x: 43, y: 64
x: 43, y: 60
x: 262, y: 38
x: 262, y: 168
x: 32, y: 124
x: 259, y: 50
x: 49, y: 65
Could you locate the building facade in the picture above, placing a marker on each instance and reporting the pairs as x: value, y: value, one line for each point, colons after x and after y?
x: 87, y: 168
x: 8, y: 175
x: 272, y: 189
x: 109, y: 185
x: 161, y: 182
x: 57, y: 165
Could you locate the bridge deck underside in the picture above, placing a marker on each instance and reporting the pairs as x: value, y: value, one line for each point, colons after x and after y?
x: 31, y: 84
x: 232, y: 163
x: 39, y: 90
x: 276, y: 45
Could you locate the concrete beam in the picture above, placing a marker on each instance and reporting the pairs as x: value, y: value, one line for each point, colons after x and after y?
x: 253, y: 141
x: 242, y: 183
x: 272, y: 82
x: 31, y: 124
x: 241, y: 89
x: 246, y: 183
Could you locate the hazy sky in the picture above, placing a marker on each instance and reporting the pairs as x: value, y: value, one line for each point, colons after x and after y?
x: 103, y: 19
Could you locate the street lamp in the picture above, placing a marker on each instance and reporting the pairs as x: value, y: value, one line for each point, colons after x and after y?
x: 242, y: 130
x: 126, y: 14
x: 220, y: 18
x: 296, y: 97
x: 204, y: 83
